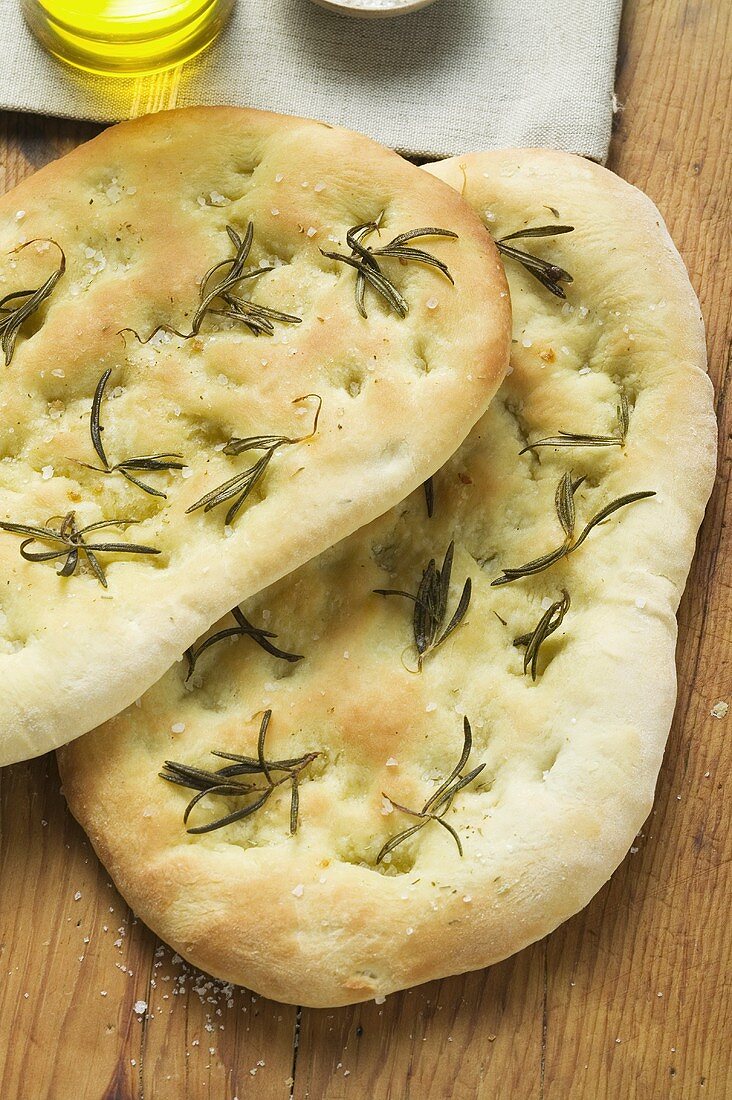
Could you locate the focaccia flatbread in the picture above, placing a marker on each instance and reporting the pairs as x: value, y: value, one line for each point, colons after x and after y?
x: 570, y: 731
x: 134, y: 385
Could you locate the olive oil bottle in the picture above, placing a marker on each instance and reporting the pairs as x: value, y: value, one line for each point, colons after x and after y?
x: 125, y: 37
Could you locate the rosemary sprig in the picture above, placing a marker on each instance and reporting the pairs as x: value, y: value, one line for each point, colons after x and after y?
x: 17, y: 307
x: 564, y: 505
x: 430, y: 605
x: 153, y: 463
x: 572, y: 439
x: 221, y: 296
x: 240, y: 485
x: 548, y: 274
x: 225, y: 782
x: 550, y: 621
x: 440, y: 802
x: 368, y: 268
x: 429, y: 496
x: 73, y: 544
x: 243, y: 629
x: 225, y: 290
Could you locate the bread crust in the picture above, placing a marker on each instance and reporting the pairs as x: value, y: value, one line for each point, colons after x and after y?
x: 571, y: 760
x: 141, y: 213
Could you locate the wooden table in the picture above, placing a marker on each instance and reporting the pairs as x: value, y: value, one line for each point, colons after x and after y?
x: 629, y: 999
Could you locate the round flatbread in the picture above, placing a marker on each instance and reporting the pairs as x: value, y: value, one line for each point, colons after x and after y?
x: 411, y: 860
x: 193, y: 343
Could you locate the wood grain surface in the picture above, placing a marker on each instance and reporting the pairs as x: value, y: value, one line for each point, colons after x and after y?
x: 631, y: 998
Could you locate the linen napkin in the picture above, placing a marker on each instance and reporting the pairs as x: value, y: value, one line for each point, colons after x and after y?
x: 457, y: 76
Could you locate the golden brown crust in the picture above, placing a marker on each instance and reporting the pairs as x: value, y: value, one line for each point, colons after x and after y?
x: 571, y: 759
x: 141, y: 213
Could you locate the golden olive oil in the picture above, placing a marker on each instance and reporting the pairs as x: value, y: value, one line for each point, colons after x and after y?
x: 125, y: 37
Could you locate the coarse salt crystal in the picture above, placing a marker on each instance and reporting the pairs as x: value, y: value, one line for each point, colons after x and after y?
x: 298, y: 890
x: 311, y: 231
x: 77, y: 896
x: 720, y: 709
x: 379, y: 1000
x: 392, y: 763
x: 526, y: 343
x: 274, y: 211
x: 58, y: 373
x: 432, y: 303
x: 430, y: 707
x: 47, y: 473
x: 386, y: 805
x: 140, y: 1007
x: 320, y: 186
x: 178, y: 727
x: 279, y: 177
x: 640, y: 602
x: 546, y: 603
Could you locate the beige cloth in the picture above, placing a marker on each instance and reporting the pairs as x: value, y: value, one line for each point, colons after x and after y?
x: 460, y: 75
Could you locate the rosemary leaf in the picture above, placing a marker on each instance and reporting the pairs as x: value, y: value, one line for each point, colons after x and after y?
x: 550, y: 621
x: 609, y: 509
x: 220, y: 295
x: 152, y: 463
x: 548, y: 274
x: 224, y: 782
x: 430, y: 605
x: 564, y: 504
x: 243, y: 629
x: 574, y: 439
x: 71, y: 544
x: 368, y: 268
x: 241, y: 485
x: 539, y: 231
x: 439, y: 802
x: 19, y: 305
x: 429, y: 496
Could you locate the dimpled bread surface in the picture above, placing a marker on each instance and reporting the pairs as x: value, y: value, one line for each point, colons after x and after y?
x: 571, y: 758
x: 141, y: 214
